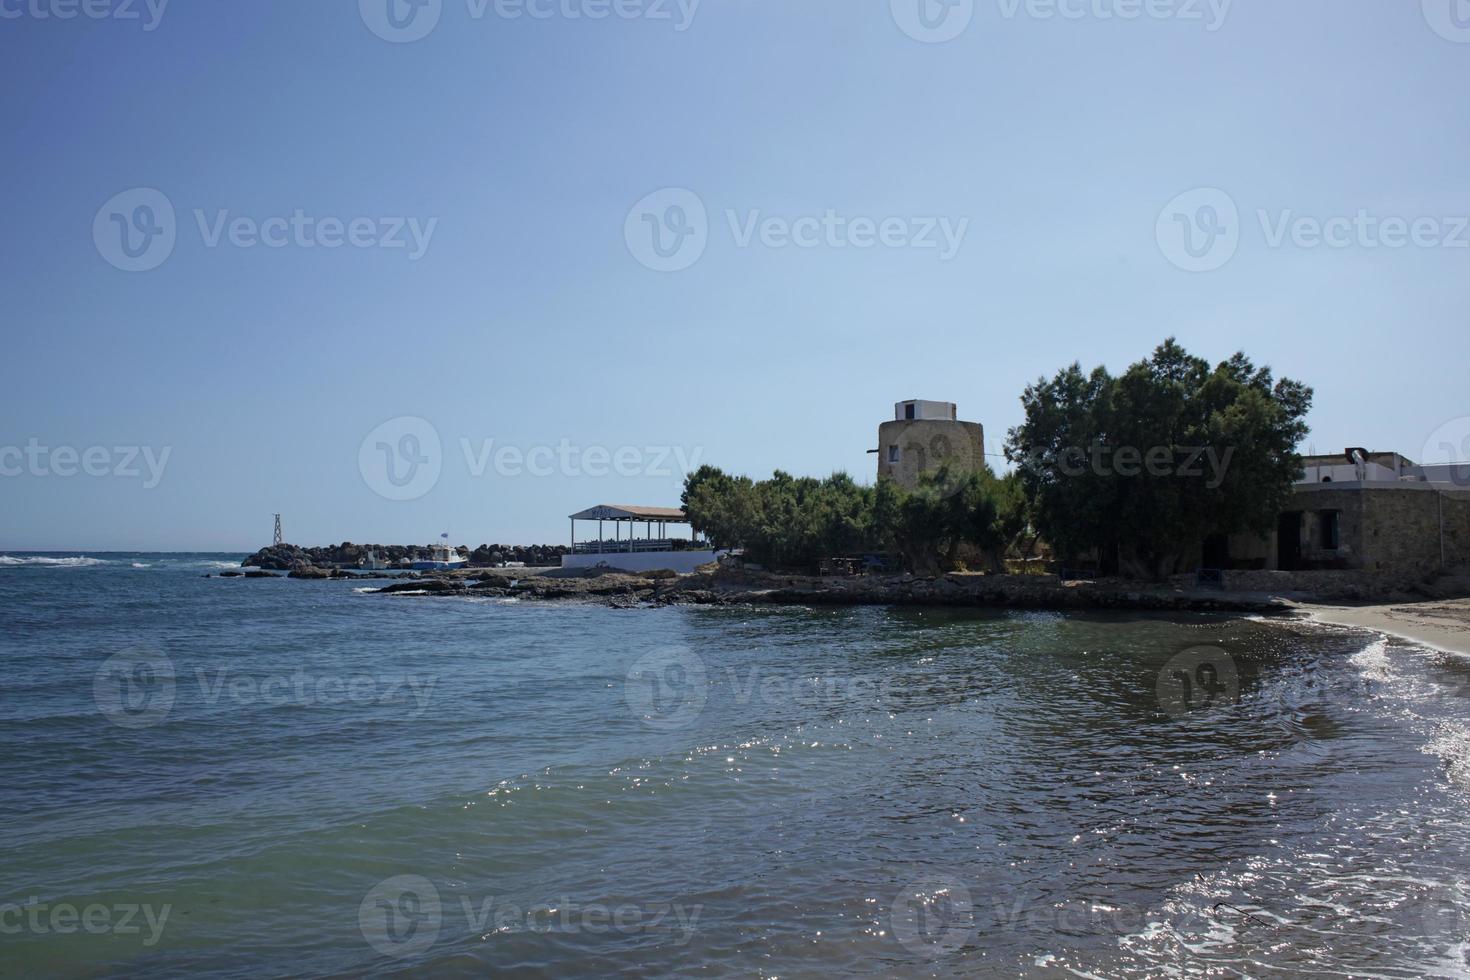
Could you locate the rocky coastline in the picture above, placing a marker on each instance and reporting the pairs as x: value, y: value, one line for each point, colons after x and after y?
x: 734, y: 587
x: 543, y: 580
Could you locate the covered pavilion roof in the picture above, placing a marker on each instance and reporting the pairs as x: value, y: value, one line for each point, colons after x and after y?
x: 631, y: 512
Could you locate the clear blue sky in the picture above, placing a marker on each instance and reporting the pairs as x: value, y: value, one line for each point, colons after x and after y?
x: 529, y: 320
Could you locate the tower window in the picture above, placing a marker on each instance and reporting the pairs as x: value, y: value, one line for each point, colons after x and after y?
x: 908, y: 410
x: 893, y: 452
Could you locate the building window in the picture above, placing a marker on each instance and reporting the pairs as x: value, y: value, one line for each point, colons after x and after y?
x: 908, y: 410
x: 1328, y: 519
x: 893, y: 454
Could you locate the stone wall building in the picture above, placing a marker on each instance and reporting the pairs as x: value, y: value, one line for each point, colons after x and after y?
x: 922, y: 436
x: 1373, y: 512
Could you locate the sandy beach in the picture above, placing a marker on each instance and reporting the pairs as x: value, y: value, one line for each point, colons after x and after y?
x: 1440, y: 623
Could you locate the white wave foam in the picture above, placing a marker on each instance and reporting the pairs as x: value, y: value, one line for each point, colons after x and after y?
x: 1373, y: 663
x: 138, y: 564
x: 6, y: 561
x: 1451, y: 742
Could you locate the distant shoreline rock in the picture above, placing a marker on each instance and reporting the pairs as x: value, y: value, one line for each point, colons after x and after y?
x: 289, y: 557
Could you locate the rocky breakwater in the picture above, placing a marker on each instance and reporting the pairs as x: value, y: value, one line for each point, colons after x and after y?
x: 286, y: 557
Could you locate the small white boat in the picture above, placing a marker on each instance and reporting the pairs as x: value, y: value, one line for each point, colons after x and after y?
x: 441, y: 556
x: 370, y: 562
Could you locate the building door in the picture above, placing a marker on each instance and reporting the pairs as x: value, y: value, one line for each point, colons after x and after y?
x: 1216, y: 552
x: 1289, y: 541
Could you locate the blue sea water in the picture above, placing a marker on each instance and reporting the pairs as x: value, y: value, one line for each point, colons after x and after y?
x: 230, y: 777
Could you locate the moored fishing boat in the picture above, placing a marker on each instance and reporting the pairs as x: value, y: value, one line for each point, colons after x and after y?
x: 441, y: 556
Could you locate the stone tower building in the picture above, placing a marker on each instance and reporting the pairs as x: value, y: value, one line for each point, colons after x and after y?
x: 923, y: 435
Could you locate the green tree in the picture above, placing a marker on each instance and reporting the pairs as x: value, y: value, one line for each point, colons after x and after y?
x: 794, y: 522
x: 785, y: 521
x: 1013, y: 521
x: 928, y: 525
x: 720, y: 507
x: 1143, y: 467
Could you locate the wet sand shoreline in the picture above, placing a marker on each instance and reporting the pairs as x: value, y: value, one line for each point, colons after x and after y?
x: 1440, y: 623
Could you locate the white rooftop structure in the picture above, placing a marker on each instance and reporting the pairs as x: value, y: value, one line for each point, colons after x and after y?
x: 1358, y: 467
x: 916, y: 409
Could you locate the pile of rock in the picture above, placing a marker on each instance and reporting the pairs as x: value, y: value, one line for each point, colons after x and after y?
x: 287, y: 557
x: 533, y: 555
